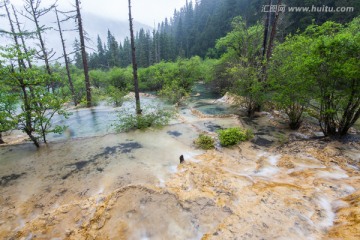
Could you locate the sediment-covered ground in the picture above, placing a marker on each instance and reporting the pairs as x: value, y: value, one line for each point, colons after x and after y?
x: 131, y: 186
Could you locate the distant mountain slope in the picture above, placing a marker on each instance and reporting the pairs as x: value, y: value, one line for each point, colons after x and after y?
x: 93, y: 24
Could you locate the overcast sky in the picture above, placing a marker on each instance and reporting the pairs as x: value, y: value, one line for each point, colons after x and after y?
x: 144, y: 11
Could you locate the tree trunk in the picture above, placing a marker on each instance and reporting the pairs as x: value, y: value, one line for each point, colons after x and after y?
x: 327, y: 118
x: 266, y: 29
x: 351, y: 112
x: 83, y: 53
x: 28, y: 128
x: 66, y: 60
x: 34, y: 139
x: 28, y: 124
x: 273, y: 32
x: 1, y: 140
x: 133, y: 55
x: 262, y: 77
x: 43, y: 133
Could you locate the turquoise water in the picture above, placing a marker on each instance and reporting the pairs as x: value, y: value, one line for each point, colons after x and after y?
x: 204, y: 100
x: 85, y: 123
x: 98, y: 121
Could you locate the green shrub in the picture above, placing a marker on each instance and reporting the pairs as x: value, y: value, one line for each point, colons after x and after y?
x: 173, y: 93
x: 232, y: 136
x: 150, y: 117
x: 116, y: 96
x: 204, y: 142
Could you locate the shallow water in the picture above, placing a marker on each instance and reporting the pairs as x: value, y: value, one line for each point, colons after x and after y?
x: 96, y: 121
x: 85, y: 123
x: 204, y: 100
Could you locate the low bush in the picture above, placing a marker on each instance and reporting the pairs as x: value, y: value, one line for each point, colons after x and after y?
x: 204, y: 142
x: 151, y: 117
x: 173, y: 93
x: 116, y: 96
x: 232, y: 136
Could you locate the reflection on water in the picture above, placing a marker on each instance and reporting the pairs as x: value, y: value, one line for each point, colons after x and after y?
x: 95, y: 121
x: 202, y: 91
x: 203, y: 99
x: 214, y: 108
x: 85, y: 123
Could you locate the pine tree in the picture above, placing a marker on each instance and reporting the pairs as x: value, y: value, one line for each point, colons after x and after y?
x: 77, y: 54
x: 113, y: 51
x: 101, y: 58
x: 125, y: 53
x: 142, y: 49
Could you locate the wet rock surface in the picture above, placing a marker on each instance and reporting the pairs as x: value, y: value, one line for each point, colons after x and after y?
x: 6, y: 180
x: 132, y: 212
x: 263, y: 142
x: 127, y: 147
x: 174, y: 133
x: 212, y: 127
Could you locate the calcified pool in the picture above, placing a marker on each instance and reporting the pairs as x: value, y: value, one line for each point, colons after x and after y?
x: 131, y: 185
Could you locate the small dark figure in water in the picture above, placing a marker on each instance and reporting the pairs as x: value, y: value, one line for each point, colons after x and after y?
x: 182, y: 159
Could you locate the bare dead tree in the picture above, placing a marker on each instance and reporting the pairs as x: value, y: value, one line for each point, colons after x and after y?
x: 34, y: 13
x: 14, y: 35
x: 21, y: 35
x: 83, y: 53
x: 273, y: 31
x: 266, y: 29
x: 66, y: 59
x: 134, y: 64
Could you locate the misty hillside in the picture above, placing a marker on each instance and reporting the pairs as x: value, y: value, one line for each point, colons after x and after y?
x: 94, y: 25
x: 97, y: 25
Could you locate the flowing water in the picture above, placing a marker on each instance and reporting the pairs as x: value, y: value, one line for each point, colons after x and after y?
x: 92, y: 183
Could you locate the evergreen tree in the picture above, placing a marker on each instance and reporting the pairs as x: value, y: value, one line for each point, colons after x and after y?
x: 142, y: 49
x: 77, y: 56
x: 125, y: 53
x: 113, y: 51
x: 101, y: 55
